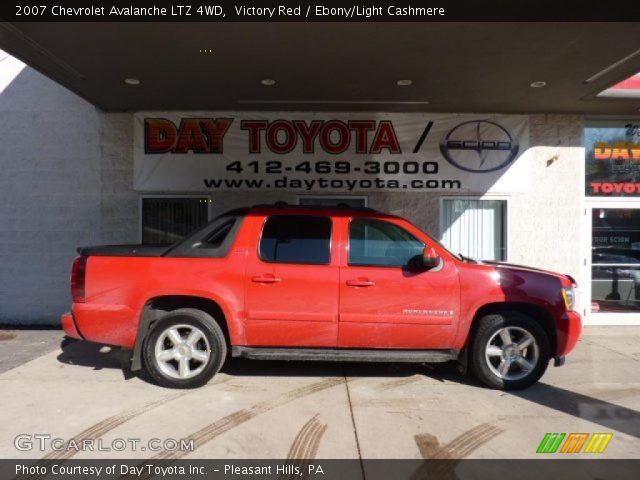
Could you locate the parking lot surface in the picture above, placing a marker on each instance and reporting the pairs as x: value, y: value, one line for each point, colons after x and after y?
x: 82, y: 391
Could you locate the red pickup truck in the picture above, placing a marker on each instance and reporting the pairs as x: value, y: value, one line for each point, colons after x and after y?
x: 303, y: 283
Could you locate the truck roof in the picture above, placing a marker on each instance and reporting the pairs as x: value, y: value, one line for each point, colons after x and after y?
x: 341, y: 208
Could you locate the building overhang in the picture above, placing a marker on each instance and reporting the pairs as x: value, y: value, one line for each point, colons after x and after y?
x: 452, y: 67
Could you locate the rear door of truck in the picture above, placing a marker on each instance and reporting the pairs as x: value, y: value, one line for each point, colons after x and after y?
x: 292, y: 282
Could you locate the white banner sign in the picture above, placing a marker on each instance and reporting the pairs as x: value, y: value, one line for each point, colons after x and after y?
x: 330, y: 152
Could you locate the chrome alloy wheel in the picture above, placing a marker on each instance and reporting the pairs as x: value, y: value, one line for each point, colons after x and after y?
x: 182, y: 351
x: 512, y: 353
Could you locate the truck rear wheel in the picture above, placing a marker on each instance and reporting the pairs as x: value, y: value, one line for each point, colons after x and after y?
x: 509, y: 351
x: 184, y: 349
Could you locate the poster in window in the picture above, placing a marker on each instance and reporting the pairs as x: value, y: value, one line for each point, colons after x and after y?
x: 612, y: 150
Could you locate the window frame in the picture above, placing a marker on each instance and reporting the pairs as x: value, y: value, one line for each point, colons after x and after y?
x: 490, y: 196
x: 269, y: 262
x: 402, y: 267
x: 152, y: 195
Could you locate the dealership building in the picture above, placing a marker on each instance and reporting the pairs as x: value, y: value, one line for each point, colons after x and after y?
x: 529, y: 154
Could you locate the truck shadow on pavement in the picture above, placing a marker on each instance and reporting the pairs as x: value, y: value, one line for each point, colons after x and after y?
x: 441, y: 372
x: 95, y: 356
x: 601, y: 412
x: 98, y: 357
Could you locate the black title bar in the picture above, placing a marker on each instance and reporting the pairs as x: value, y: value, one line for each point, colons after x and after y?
x: 318, y: 469
x: 316, y: 11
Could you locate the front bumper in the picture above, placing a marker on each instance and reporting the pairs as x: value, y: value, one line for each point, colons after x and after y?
x: 69, y: 326
x: 569, y: 328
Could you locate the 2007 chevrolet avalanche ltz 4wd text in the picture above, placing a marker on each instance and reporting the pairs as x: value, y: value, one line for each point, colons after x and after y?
x: 303, y: 283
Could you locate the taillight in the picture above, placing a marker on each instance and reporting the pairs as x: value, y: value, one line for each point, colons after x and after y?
x: 78, y: 272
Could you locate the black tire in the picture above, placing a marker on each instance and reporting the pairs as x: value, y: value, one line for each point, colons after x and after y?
x: 188, y: 320
x: 486, y: 367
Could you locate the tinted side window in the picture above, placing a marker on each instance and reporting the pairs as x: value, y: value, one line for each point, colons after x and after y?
x: 378, y: 243
x: 296, y: 239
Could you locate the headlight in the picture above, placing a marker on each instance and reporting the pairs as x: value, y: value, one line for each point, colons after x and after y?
x: 569, y: 296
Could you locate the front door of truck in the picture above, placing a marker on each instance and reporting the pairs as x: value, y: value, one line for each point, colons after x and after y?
x: 292, y: 284
x: 386, y: 300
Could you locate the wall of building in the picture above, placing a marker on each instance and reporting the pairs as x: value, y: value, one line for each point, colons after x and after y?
x: 68, y: 175
x: 49, y: 195
x: 119, y: 215
x: 545, y: 223
x: 66, y: 181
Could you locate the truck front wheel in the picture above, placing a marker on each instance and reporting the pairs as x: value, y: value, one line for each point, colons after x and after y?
x: 185, y: 349
x: 509, y: 351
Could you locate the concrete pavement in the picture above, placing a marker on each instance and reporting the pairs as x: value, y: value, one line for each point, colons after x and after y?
x: 20, y: 346
x: 257, y: 409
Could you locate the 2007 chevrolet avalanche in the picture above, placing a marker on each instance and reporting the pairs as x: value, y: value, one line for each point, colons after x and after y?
x: 303, y: 283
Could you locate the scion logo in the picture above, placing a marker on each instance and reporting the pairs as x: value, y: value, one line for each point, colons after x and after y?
x: 479, y: 146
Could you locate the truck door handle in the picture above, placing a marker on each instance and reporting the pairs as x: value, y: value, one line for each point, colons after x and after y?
x: 360, y: 282
x: 266, y: 278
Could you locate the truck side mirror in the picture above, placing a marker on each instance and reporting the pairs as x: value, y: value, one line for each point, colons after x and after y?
x: 430, y: 258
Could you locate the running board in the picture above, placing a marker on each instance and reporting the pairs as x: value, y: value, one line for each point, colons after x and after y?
x: 345, y: 354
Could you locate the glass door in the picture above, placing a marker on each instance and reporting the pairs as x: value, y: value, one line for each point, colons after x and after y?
x: 615, y: 263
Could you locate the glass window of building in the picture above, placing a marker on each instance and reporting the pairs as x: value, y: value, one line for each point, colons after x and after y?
x: 475, y: 228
